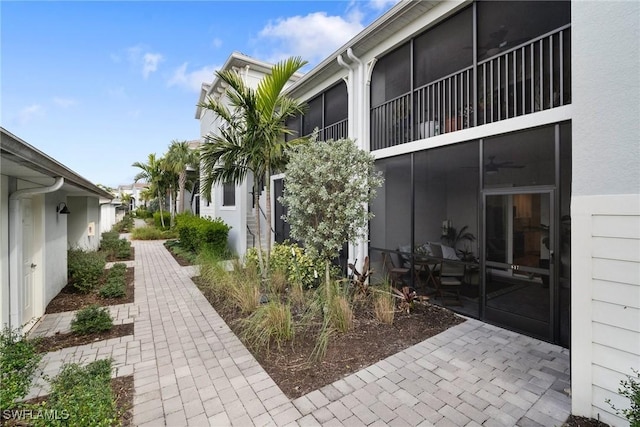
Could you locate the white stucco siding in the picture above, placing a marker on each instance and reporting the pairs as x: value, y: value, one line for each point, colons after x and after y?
x: 55, y: 251
x: 84, y: 211
x: 606, y: 97
x: 107, y: 217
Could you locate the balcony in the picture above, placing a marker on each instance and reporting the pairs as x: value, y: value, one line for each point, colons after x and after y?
x: 528, y: 78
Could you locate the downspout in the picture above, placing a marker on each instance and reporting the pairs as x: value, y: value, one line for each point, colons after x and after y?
x: 362, y: 246
x: 15, y: 235
x: 351, y: 94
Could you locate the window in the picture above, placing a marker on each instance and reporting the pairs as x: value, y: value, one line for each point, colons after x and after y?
x: 503, y: 25
x: 391, y: 76
x: 313, y: 117
x: 444, y: 49
x: 228, y: 194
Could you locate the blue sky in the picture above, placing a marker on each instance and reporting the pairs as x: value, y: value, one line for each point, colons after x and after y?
x: 100, y: 85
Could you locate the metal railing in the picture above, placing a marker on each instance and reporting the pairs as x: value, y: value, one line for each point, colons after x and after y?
x: 531, y: 77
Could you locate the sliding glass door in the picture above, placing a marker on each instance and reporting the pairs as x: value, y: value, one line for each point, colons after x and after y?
x: 518, y: 259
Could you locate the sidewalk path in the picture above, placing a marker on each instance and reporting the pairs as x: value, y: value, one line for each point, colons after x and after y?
x: 190, y: 369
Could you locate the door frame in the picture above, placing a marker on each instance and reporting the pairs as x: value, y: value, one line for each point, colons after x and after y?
x: 551, y: 191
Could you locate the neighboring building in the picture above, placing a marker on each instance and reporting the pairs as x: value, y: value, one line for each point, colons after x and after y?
x: 135, y: 191
x: 45, y: 210
x: 518, y: 120
x: 233, y: 203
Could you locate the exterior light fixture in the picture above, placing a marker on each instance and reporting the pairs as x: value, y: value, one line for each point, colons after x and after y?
x: 62, y: 209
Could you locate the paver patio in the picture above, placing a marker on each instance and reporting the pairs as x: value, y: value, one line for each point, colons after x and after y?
x: 190, y: 369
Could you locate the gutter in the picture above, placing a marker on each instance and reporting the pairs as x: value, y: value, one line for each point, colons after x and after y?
x: 15, y: 236
x: 350, y: 93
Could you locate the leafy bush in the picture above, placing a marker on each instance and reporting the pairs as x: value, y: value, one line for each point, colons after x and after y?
x: 91, y: 319
x: 85, y: 269
x: 143, y: 213
x: 157, y: 221
x: 18, y: 363
x: 152, y: 233
x: 116, y: 285
x: 84, y: 395
x: 198, y: 233
x: 289, y: 258
x: 630, y: 388
x: 125, y: 225
x: 174, y: 247
x: 114, y: 247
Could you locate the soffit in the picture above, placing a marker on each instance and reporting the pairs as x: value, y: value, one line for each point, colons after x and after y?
x: 385, y: 27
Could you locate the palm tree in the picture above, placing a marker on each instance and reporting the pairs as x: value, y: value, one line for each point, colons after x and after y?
x: 178, y: 158
x: 153, y: 173
x: 251, y: 139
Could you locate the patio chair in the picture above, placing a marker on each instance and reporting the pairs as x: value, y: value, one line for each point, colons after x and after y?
x: 448, y: 282
x: 395, y: 274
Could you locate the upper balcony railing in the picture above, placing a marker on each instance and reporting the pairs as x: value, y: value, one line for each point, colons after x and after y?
x: 335, y: 131
x: 531, y: 77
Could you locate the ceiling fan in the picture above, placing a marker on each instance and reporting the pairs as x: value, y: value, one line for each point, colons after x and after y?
x: 493, y: 167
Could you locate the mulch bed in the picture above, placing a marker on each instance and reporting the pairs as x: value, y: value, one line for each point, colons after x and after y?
x: 131, y: 257
x: 60, y: 341
x: 70, y: 299
x: 365, y: 344
x: 182, y: 261
x: 575, y: 421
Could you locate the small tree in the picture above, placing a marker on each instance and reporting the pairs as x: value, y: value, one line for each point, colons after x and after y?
x: 328, y: 186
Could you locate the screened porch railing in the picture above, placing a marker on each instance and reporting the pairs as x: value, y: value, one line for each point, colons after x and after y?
x: 531, y: 77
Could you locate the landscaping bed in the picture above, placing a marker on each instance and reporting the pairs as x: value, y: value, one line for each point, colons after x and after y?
x: 178, y: 253
x: 70, y: 298
x: 60, y: 341
x: 368, y: 342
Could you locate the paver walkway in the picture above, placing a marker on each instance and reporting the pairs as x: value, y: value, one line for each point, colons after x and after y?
x: 190, y: 369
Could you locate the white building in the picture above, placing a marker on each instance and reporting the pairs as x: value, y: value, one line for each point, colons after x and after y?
x: 520, y: 121
x: 46, y: 209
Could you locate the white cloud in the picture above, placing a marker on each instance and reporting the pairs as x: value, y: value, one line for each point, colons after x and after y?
x: 64, y: 102
x: 151, y: 61
x: 382, y: 4
x: 313, y: 37
x: 192, y: 80
x: 140, y: 57
x: 117, y: 93
x: 216, y: 43
x: 27, y: 114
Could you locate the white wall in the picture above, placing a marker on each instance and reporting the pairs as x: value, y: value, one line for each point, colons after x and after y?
x: 107, y: 217
x: 605, y: 207
x: 84, y: 211
x: 55, y: 251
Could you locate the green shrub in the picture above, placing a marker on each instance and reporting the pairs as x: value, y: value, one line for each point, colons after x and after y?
x: 85, y: 269
x: 18, y: 363
x: 158, y: 223
x: 125, y: 225
x: 152, y: 233
x: 84, y: 395
x: 292, y: 260
x: 198, y: 233
x: 91, y: 319
x: 114, y: 247
x: 143, y: 213
x: 630, y: 388
x: 113, y: 289
x: 174, y: 247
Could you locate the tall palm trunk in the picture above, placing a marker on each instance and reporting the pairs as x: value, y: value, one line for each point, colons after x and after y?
x: 256, y: 210
x: 182, y: 182
x: 160, y: 206
x: 267, y: 179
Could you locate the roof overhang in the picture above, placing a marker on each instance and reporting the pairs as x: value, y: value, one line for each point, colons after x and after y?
x: 237, y: 61
x: 23, y: 161
x: 393, y: 21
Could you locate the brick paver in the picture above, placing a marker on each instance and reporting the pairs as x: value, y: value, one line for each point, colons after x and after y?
x: 190, y: 369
